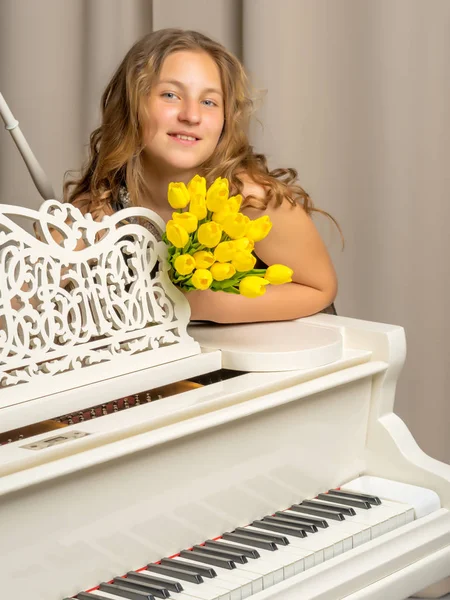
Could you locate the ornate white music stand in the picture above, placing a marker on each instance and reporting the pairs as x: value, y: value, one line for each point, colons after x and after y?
x: 71, y: 317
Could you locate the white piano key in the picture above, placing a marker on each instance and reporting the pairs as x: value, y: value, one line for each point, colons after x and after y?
x: 382, y: 518
x: 351, y: 534
x: 189, y: 589
x: 103, y: 594
x: 322, y: 552
x: 293, y: 562
x: 235, y: 576
x: 203, y: 591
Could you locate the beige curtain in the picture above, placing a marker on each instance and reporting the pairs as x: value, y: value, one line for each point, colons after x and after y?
x: 356, y: 96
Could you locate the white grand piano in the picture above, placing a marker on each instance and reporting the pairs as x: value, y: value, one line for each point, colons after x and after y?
x: 141, y: 458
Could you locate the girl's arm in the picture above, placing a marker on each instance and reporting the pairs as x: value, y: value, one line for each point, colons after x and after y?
x: 293, y: 241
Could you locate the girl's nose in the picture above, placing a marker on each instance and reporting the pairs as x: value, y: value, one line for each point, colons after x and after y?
x: 190, y: 113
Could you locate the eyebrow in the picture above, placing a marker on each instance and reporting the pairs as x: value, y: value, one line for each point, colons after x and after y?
x: 210, y: 90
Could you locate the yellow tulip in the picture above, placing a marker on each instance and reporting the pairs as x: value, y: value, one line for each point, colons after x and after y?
x: 177, y: 195
x: 186, y: 220
x: 224, y: 252
x: 184, y: 264
x: 230, y: 207
x: 209, y: 234
x: 197, y: 185
x: 259, y: 228
x: 221, y: 215
x: 235, y: 225
x: 201, y: 279
x: 217, y: 195
x: 243, y: 261
x: 243, y: 244
x: 221, y: 271
x: 198, y: 206
x: 278, y: 274
x: 234, y: 203
x: 177, y: 235
x: 203, y: 259
x: 253, y: 286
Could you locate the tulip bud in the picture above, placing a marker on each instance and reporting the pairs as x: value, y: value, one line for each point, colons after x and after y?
x: 243, y: 244
x: 253, y: 286
x: 177, y: 235
x: 217, y: 195
x: 184, y: 264
x: 198, y: 206
x: 243, y: 261
x: 177, y: 195
x: 209, y: 234
x: 278, y: 274
x: 221, y: 215
x: 259, y: 228
x: 224, y: 252
x: 186, y: 220
x: 234, y: 203
x: 197, y: 186
x: 221, y: 271
x: 201, y: 279
x: 235, y: 225
x: 203, y: 259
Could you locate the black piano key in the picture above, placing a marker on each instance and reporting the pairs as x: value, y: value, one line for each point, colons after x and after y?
x: 363, y: 504
x: 125, y: 592
x: 90, y: 596
x: 345, y: 510
x: 248, y: 552
x: 236, y: 557
x: 203, y: 571
x: 204, y: 557
x: 317, y: 522
x: 374, y: 500
x: 298, y: 524
x: 280, y: 528
x: 176, y: 572
x: 157, y: 590
x: 325, y: 514
x: 276, y: 539
x: 251, y: 542
x: 172, y: 586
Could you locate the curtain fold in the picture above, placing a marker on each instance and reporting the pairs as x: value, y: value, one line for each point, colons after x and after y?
x: 354, y: 94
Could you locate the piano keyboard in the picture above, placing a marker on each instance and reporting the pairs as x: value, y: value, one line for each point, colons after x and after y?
x: 267, y: 551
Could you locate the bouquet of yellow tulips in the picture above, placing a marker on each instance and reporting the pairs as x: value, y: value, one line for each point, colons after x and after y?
x: 210, y: 243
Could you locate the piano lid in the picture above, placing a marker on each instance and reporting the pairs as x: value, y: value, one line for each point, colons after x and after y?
x: 283, y: 346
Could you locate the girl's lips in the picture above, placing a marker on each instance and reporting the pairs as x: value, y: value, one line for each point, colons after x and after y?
x: 184, y: 142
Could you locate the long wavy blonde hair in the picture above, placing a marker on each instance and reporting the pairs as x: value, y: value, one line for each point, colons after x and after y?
x: 116, y: 147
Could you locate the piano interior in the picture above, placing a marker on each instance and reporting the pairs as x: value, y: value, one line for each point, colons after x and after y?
x: 117, y: 405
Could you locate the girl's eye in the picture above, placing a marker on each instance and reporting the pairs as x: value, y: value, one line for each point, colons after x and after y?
x: 209, y: 103
x: 169, y: 95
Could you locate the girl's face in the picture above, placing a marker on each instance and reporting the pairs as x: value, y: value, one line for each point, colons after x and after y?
x: 185, y: 113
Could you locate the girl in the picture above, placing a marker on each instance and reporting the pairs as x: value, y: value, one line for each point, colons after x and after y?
x: 179, y: 105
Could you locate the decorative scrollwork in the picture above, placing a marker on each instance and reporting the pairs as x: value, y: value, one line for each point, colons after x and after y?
x: 63, y: 308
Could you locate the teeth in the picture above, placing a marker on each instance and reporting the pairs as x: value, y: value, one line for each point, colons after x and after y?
x: 185, y: 137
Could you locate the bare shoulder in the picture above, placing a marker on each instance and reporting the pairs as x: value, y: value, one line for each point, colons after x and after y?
x: 277, y: 212
x: 251, y: 187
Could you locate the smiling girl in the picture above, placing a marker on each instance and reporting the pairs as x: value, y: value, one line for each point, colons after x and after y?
x: 178, y: 105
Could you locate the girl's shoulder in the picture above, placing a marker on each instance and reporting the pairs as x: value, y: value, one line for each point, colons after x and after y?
x: 251, y: 187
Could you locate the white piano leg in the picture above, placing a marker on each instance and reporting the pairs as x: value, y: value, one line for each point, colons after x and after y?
x: 437, y: 590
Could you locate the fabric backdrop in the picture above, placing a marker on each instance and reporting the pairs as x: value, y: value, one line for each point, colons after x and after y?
x: 352, y: 93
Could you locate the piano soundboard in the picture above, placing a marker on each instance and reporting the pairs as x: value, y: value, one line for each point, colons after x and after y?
x: 145, y: 457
